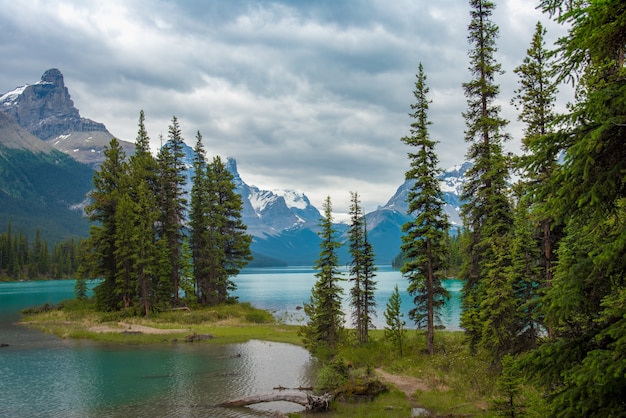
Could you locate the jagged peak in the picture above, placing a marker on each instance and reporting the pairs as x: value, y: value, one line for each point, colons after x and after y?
x: 53, y: 76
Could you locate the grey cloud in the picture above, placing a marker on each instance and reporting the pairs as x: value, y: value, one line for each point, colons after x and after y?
x: 309, y: 95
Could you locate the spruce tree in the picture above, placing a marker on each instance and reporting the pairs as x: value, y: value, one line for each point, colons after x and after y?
x: 228, y: 245
x: 487, y: 214
x: 198, y: 220
x: 535, y: 100
x: 126, y: 250
x: 424, y: 241
x: 110, y: 182
x: 362, y: 272
x: 172, y: 200
x: 394, y: 331
x: 144, y: 189
x: 323, y: 331
x: 582, y: 367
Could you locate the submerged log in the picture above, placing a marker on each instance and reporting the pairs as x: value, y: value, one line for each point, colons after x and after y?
x: 310, y: 402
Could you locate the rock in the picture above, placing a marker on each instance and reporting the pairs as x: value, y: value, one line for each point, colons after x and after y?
x: 2, y: 345
x: 198, y: 337
x: 420, y: 412
x: 46, y: 110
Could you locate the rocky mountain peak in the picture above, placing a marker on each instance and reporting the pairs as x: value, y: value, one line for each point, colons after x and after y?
x: 53, y: 76
x: 46, y: 110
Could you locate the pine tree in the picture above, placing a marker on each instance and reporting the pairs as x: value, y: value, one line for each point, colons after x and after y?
x: 368, y: 298
x: 487, y: 213
x: 144, y: 173
x: 146, y: 244
x: 323, y: 331
x: 509, y: 400
x: 228, y: 246
x: 362, y: 272
x: 173, y: 202
x: 527, y: 278
x: 424, y: 242
x: 198, y: 220
x: 109, y: 184
x: 394, y: 331
x: 535, y: 100
x: 582, y: 367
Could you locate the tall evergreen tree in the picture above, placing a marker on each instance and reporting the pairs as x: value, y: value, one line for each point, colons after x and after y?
x: 228, y: 245
x: 535, y: 100
x: 424, y: 241
x: 487, y: 213
x: 109, y: 184
x: 362, y: 271
x: 324, y: 328
x: 144, y: 173
x: 199, y: 221
x: 583, y: 365
x: 173, y: 201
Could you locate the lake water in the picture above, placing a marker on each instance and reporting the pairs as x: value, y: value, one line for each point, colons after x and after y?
x: 43, y: 376
x: 282, y: 290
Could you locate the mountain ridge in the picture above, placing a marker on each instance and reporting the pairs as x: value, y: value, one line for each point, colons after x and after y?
x: 283, y: 223
x: 46, y: 110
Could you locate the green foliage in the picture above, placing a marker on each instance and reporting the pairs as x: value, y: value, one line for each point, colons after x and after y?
x: 394, y: 331
x: 424, y: 242
x: 331, y: 376
x: 136, y: 244
x: 324, y: 330
x: 171, y: 196
x: 362, y: 272
x: 24, y: 260
x: 487, y: 214
x: 508, y: 402
x: 581, y: 366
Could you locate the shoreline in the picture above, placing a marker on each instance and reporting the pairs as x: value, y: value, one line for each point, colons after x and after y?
x: 217, y: 325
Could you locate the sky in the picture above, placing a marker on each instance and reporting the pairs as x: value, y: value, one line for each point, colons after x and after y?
x: 312, y: 96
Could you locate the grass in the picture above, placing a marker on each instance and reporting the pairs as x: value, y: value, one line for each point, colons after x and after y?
x: 453, y: 382
x: 231, y: 323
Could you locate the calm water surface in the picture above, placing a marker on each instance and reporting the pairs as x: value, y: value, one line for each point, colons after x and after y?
x: 283, y: 290
x: 43, y: 376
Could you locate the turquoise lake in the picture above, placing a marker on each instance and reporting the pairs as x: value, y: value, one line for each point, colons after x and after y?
x: 43, y: 376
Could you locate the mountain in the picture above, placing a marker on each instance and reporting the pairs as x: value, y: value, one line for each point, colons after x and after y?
x: 46, y: 110
x: 40, y: 187
x: 284, y: 223
x: 384, y: 225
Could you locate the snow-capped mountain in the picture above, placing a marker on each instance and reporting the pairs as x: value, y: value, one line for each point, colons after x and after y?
x: 385, y: 224
x: 46, y: 110
x: 451, y: 184
x: 284, y: 223
x: 266, y: 213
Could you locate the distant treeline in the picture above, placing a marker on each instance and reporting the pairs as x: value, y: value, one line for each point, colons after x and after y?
x: 22, y: 260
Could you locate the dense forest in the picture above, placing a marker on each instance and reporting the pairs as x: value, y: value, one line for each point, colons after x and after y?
x: 543, y: 260
x: 148, y: 244
x: 38, y: 260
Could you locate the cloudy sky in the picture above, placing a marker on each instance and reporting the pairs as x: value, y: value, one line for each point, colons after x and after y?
x: 306, y: 95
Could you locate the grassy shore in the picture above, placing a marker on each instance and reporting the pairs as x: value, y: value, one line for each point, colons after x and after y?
x: 452, y: 382
x: 226, y: 324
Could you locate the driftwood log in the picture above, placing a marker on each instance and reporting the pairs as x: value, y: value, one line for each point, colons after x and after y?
x: 310, y: 402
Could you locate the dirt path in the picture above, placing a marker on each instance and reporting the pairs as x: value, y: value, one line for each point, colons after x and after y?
x: 407, y: 384
x: 133, y: 328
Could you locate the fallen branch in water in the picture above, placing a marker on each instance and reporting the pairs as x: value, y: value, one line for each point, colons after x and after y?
x: 309, y: 389
x: 310, y: 402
